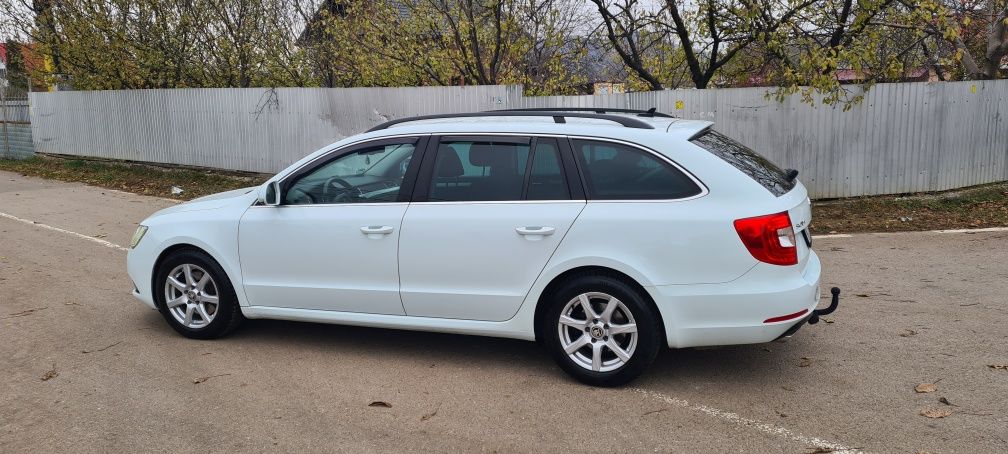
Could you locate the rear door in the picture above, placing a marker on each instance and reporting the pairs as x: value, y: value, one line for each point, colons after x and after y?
x: 488, y: 213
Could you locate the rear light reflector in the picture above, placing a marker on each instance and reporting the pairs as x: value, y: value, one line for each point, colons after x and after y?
x: 784, y: 318
x: 770, y: 238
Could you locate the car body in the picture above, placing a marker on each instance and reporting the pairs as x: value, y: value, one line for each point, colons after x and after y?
x: 444, y: 231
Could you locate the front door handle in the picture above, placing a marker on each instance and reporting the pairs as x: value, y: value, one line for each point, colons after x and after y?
x: 376, y: 231
x: 534, y: 232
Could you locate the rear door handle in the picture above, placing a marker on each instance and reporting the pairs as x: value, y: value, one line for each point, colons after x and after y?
x: 535, y: 231
x: 373, y: 231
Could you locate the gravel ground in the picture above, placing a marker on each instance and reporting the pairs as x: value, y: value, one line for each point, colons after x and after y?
x: 87, y: 368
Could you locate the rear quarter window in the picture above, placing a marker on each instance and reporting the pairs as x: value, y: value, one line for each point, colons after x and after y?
x: 766, y: 173
x: 619, y: 172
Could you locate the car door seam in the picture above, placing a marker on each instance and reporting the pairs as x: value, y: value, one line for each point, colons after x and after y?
x: 548, y: 259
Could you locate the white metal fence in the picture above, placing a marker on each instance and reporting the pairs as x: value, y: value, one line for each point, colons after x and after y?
x: 901, y: 138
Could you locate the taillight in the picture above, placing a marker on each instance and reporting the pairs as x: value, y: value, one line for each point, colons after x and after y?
x: 769, y: 238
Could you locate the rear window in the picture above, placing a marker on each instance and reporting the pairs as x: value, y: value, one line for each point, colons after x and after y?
x: 748, y: 161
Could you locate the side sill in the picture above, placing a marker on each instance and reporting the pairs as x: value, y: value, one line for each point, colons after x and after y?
x: 507, y: 329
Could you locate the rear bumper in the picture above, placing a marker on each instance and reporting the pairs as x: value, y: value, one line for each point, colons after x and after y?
x: 741, y: 311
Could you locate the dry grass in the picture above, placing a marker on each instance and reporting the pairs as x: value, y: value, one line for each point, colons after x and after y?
x: 131, y: 177
x: 973, y: 207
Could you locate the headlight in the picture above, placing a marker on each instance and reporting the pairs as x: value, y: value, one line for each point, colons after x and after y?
x: 138, y: 235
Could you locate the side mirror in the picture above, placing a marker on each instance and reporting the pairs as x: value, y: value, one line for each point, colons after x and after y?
x: 270, y: 194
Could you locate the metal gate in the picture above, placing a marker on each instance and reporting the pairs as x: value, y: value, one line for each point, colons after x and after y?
x: 15, y: 129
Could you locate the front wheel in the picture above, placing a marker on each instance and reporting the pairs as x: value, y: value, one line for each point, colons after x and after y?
x: 601, y: 330
x: 195, y: 296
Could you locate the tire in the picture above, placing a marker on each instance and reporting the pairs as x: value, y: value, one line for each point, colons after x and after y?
x: 629, y: 307
x: 200, y: 293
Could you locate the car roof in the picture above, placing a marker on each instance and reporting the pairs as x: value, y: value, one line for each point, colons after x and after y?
x: 674, y: 128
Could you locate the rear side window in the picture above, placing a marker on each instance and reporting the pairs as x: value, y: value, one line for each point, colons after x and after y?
x: 748, y: 161
x: 615, y: 171
x: 546, y: 179
x: 478, y: 171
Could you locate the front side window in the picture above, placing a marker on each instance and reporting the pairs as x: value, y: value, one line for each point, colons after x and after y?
x: 478, y: 171
x: 369, y: 175
x: 614, y: 171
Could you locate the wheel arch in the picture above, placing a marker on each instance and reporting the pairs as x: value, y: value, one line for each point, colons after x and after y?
x: 182, y: 245
x: 542, y: 302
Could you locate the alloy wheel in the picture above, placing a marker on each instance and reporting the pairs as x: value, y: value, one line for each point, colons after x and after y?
x: 597, y: 331
x: 191, y: 296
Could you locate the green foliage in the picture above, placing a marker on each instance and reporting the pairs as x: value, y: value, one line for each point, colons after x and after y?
x: 121, y: 44
x: 18, y: 82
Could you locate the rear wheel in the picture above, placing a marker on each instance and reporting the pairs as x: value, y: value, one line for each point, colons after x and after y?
x: 601, y: 330
x: 195, y: 296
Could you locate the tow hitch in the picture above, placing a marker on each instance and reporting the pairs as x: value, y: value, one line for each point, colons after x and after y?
x: 814, y: 318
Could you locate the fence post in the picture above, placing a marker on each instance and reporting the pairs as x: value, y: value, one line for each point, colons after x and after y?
x: 3, y: 106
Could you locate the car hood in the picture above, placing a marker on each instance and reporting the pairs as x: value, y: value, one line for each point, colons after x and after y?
x: 224, y: 195
x: 210, y: 202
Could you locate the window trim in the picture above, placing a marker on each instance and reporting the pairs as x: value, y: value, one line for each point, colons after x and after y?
x: 405, y: 189
x: 572, y: 167
x: 584, y: 179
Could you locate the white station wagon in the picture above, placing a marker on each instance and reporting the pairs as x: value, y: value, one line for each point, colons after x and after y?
x: 603, y: 234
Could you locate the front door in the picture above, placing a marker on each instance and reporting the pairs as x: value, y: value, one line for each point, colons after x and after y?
x: 489, y: 216
x: 332, y: 243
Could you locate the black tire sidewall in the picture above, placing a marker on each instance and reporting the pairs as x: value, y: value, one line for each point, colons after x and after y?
x: 228, y: 311
x: 648, y: 326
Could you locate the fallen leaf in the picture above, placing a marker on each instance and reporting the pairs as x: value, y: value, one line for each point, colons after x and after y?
x: 50, y: 374
x: 654, y: 411
x: 926, y: 388
x: 101, y: 349
x: 998, y: 366
x: 429, y: 415
x: 199, y: 380
x: 908, y: 333
x: 827, y: 320
x: 819, y: 450
x: 935, y: 413
x: 862, y: 295
x: 805, y: 362
x: 380, y: 404
x: 946, y: 402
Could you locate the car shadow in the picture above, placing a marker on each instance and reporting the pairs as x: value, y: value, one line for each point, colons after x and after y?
x: 728, y: 365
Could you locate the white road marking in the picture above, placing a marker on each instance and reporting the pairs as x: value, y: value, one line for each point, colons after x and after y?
x: 736, y: 419
x: 848, y: 235
x: 988, y: 229
x: 68, y: 232
x: 832, y: 235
